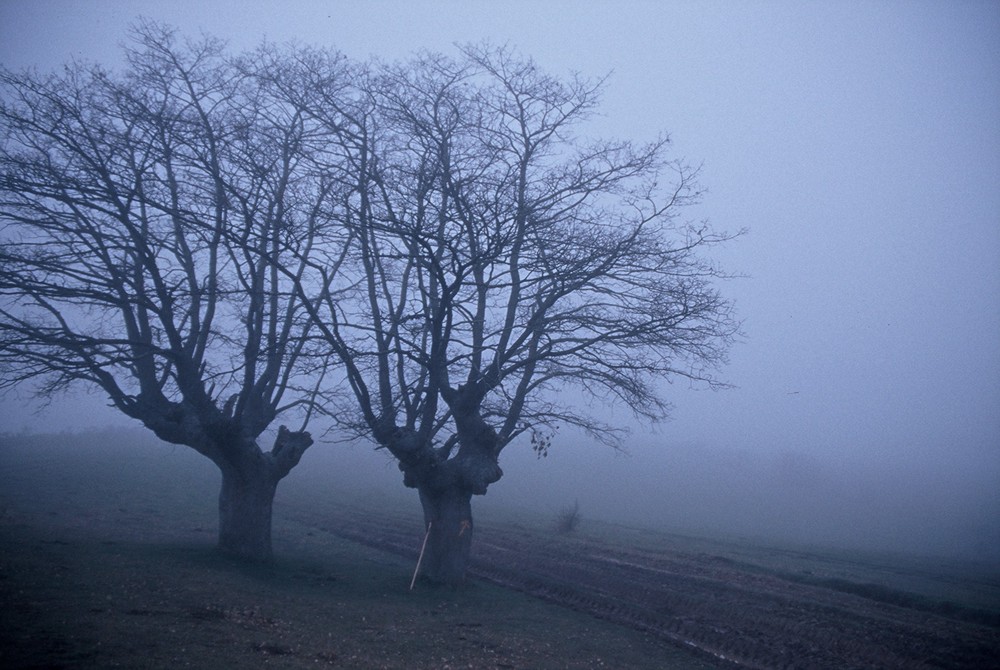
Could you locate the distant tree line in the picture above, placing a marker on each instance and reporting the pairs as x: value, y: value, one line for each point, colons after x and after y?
x: 428, y: 254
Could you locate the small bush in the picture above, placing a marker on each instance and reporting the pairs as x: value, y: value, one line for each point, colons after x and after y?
x: 568, y: 519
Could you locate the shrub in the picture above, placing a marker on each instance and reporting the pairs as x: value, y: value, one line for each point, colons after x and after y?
x: 568, y: 519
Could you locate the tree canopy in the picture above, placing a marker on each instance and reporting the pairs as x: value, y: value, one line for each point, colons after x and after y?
x: 430, y: 252
x: 497, y: 259
x: 150, y: 219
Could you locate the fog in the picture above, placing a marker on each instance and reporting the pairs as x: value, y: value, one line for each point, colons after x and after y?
x: 858, y: 142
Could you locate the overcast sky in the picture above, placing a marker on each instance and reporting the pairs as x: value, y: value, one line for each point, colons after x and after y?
x: 859, y: 142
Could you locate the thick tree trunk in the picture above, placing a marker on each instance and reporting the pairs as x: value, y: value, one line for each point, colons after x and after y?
x: 245, y: 504
x: 448, y: 514
x: 250, y: 475
x: 249, y: 481
x: 446, y: 481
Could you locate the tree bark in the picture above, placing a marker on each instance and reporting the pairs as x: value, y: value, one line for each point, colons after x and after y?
x: 249, y: 481
x: 448, y: 514
x: 446, y: 482
x: 245, y: 504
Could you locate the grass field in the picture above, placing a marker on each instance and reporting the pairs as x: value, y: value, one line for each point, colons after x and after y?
x: 107, y: 560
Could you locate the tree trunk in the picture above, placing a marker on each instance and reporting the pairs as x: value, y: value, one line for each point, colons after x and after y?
x: 249, y: 481
x: 449, y: 516
x: 245, y: 503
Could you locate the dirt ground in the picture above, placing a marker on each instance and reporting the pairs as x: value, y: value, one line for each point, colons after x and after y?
x: 110, y: 562
x: 107, y: 560
x: 752, y: 606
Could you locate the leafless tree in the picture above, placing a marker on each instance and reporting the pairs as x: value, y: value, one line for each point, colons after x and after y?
x: 153, y: 223
x: 499, y: 260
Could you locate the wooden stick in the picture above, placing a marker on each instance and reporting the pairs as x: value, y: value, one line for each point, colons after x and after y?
x: 421, y: 558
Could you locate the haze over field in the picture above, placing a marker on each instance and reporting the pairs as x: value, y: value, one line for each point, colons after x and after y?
x: 860, y: 145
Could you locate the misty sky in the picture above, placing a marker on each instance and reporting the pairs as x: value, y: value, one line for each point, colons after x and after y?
x: 859, y: 142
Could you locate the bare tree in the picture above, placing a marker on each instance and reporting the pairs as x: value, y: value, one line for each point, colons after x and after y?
x: 153, y: 225
x: 500, y: 260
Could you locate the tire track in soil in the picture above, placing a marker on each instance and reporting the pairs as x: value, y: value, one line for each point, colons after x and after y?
x: 736, y: 615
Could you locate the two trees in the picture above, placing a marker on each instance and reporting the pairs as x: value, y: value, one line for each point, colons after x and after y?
x: 434, y: 230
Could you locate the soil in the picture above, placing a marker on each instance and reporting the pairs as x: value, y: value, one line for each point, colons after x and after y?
x: 107, y: 560
x: 746, y: 606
